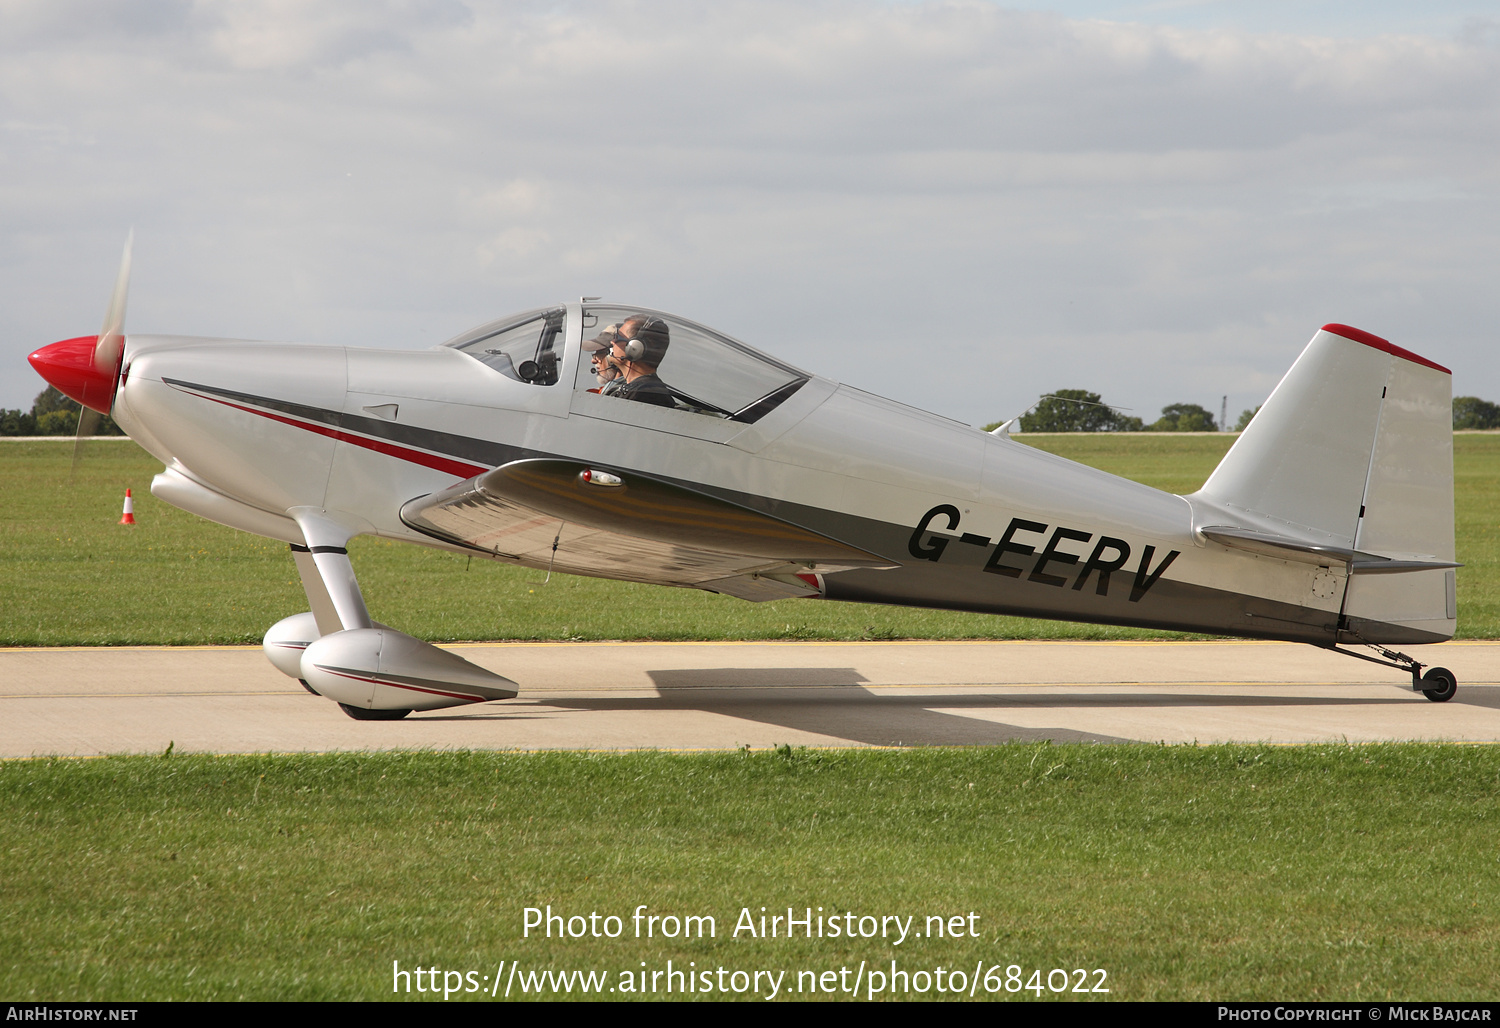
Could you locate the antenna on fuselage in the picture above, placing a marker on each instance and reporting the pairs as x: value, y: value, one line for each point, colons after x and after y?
x: 1003, y: 429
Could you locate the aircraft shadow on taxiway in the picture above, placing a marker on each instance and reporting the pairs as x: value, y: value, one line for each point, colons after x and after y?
x: 834, y: 702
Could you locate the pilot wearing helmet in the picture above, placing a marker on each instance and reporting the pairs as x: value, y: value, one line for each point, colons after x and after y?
x: 637, y: 347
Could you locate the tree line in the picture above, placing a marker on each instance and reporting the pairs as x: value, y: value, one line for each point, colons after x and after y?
x: 51, y: 413
x: 1078, y: 410
x: 1066, y: 410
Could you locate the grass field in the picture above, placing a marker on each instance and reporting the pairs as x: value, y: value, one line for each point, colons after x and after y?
x: 1186, y: 873
x: 1214, y: 873
x: 74, y: 577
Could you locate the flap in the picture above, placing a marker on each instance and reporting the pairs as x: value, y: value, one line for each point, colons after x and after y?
x: 760, y: 588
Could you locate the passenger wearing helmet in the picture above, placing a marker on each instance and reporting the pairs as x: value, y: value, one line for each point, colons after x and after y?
x: 637, y: 348
x: 606, y: 372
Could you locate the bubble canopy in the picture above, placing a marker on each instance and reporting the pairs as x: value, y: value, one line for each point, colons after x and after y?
x: 696, y: 369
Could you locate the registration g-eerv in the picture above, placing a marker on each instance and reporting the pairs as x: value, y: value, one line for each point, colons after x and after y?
x: 716, y: 466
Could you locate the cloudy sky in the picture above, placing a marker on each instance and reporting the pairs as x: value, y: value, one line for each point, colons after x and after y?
x: 959, y: 204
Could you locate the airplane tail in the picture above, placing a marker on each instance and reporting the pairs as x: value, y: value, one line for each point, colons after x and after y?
x: 1350, y: 464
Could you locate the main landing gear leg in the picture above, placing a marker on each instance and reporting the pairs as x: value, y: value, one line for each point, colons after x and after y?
x: 333, y: 593
x: 1439, y: 684
x: 327, y: 576
x: 372, y: 671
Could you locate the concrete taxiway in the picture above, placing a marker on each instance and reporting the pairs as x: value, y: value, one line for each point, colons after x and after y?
x: 690, y: 696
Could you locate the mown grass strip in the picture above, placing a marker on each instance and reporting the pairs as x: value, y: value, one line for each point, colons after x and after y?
x: 1226, y: 872
x: 73, y: 576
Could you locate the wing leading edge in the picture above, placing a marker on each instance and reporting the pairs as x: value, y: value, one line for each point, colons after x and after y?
x: 555, y: 513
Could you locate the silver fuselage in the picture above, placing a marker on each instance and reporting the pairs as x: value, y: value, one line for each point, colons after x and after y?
x: 967, y: 520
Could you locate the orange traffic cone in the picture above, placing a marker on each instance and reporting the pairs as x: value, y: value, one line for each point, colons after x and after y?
x: 128, y: 518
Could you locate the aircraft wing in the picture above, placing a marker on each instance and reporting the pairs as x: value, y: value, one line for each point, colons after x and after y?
x: 554, y: 513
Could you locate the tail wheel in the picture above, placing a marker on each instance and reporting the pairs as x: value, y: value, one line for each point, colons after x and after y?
x: 1441, y: 684
x: 366, y: 714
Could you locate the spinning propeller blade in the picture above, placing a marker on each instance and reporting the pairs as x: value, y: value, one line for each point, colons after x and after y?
x: 111, y: 342
x: 88, y: 424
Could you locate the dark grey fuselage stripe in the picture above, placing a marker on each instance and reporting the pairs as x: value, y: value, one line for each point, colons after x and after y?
x: 463, y: 447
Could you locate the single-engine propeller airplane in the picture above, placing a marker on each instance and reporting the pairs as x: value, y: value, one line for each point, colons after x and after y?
x: 626, y: 443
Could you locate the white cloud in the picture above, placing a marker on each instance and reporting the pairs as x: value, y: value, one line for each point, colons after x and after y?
x: 953, y: 204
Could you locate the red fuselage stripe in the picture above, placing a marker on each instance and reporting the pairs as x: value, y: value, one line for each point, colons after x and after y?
x: 468, y: 697
x: 445, y: 464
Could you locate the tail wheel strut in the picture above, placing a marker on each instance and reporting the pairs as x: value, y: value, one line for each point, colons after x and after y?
x: 1439, y: 684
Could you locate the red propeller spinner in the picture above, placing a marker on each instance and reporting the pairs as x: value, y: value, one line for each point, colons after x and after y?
x: 70, y: 366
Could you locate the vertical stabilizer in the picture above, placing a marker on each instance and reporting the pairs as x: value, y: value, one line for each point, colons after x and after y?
x: 1353, y: 451
x: 1303, y: 460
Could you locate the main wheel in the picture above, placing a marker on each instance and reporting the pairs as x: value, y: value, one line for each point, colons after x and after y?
x: 366, y: 714
x: 1444, y: 684
x: 308, y: 687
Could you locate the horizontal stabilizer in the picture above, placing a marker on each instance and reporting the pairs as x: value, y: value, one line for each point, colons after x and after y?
x: 1279, y: 546
x: 1289, y: 548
